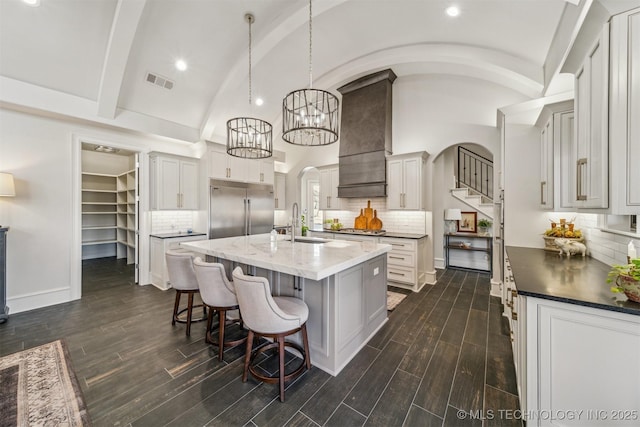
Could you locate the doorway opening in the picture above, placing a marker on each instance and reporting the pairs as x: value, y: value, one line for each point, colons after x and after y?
x: 310, y: 198
x: 110, y: 215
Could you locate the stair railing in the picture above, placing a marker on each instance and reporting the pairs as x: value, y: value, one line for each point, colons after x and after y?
x: 475, y: 172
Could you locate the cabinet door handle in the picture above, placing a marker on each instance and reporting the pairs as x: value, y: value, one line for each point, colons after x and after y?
x: 328, y: 201
x: 276, y: 203
x: 178, y: 199
x: 261, y: 177
x: 542, y: 184
x: 581, y: 165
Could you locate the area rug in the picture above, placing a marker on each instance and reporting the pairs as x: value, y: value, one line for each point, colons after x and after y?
x: 393, y: 299
x: 40, y: 388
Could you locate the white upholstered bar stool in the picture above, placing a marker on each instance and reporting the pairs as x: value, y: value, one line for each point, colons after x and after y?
x: 183, y: 280
x: 217, y: 294
x: 271, y: 317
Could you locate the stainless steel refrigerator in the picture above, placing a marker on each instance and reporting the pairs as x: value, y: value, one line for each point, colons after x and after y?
x: 239, y: 209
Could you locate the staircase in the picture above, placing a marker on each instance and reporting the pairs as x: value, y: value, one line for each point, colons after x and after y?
x: 475, y: 181
x: 475, y: 201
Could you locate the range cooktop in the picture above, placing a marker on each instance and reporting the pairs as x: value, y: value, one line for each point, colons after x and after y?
x: 360, y: 231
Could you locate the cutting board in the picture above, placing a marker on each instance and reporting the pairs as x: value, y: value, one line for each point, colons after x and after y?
x: 375, y: 223
x: 368, y: 214
x: 360, y: 222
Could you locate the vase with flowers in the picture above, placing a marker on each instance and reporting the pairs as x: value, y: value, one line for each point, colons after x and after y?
x: 627, y: 279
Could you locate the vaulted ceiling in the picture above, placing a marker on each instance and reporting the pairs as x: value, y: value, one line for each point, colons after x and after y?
x: 89, y: 59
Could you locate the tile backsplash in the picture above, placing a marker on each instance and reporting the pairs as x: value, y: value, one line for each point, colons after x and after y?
x: 171, y: 221
x: 392, y: 220
x: 604, y: 246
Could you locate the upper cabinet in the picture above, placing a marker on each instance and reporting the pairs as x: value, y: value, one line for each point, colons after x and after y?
x: 230, y: 168
x: 329, y: 180
x: 280, y: 191
x: 624, y: 114
x: 607, y: 135
x: 556, y: 122
x: 174, y: 182
x: 590, y: 153
x: 405, y: 187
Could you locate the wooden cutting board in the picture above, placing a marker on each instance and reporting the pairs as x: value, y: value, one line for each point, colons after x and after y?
x: 360, y: 222
x: 375, y: 223
x: 368, y: 214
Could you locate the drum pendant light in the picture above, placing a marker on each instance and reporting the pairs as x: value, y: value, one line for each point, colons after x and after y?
x: 248, y: 137
x: 310, y: 116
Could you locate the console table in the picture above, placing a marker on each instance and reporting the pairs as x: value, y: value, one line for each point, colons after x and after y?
x: 468, y: 251
x: 4, y: 310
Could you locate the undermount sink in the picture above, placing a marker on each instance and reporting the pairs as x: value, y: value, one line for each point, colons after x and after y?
x: 303, y: 239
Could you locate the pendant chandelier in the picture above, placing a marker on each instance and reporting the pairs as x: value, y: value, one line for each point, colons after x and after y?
x: 310, y: 116
x: 248, y: 137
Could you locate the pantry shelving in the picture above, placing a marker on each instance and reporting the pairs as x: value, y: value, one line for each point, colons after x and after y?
x: 109, y: 215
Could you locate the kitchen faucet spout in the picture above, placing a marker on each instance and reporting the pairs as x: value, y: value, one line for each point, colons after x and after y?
x: 294, y: 221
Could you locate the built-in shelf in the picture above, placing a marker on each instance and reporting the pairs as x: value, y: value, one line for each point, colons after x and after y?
x: 109, y: 215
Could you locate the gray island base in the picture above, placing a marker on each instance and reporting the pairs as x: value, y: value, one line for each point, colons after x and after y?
x: 344, y: 284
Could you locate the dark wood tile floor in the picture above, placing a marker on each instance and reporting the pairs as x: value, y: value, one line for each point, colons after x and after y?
x: 443, y: 350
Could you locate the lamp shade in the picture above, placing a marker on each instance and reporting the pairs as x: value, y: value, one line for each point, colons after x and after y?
x: 453, y: 214
x: 7, y: 187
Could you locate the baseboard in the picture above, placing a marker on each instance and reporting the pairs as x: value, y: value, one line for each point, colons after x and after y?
x: 430, y: 277
x: 38, y: 300
x: 495, y: 289
x: 439, y: 263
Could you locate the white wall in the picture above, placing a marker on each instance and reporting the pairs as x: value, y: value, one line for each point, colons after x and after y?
x: 524, y: 222
x: 38, y: 151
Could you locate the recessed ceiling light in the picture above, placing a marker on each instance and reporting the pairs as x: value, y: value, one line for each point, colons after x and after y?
x: 453, y: 11
x: 259, y: 101
x: 32, y: 3
x: 181, y: 65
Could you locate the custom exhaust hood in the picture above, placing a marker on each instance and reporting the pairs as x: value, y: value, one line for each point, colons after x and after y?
x: 365, y: 135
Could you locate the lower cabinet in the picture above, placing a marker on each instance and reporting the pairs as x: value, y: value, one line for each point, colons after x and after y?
x: 406, y: 263
x: 158, y: 265
x: 566, y: 369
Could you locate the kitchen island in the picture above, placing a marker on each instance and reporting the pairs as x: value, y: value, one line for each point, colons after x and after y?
x: 344, y: 283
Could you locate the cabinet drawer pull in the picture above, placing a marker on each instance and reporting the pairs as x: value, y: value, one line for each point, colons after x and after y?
x: 581, y: 165
x: 397, y: 274
x: 396, y: 257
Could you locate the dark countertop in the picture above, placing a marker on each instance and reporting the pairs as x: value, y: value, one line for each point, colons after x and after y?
x: 386, y: 234
x: 575, y: 280
x: 176, y: 234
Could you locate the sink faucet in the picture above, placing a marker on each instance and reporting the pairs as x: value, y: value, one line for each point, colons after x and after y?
x: 294, y: 221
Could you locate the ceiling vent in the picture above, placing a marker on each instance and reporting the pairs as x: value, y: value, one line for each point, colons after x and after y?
x: 158, y: 80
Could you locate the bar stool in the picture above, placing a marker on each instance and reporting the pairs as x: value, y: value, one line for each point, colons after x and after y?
x: 183, y: 280
x: 270, y: 317
x: 217, y: 294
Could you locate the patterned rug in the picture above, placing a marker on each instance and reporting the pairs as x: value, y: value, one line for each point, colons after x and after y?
x: 39, y: 387
x: 393, y: 299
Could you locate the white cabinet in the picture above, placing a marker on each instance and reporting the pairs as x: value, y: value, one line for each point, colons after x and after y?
x: 406, y: 262
x: 329, y: 180
x: 280, y: 191
x: 405, y: 188
x: 230, y: 168
x: 260, y: 171
x: 174, y: 182
x: 590, y: 153
x: 224, y: 166
x: 158, y: 264
x: 624, y: 125
x: 556, y: 138
x: 576, y: 361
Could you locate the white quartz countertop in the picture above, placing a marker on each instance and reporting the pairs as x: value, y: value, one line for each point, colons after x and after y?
x: 309, y: 260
